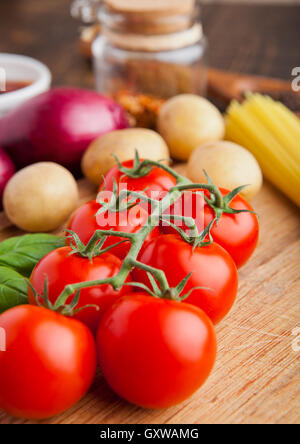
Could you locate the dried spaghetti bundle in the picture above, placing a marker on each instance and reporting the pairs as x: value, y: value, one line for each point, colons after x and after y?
x: 272, y: 133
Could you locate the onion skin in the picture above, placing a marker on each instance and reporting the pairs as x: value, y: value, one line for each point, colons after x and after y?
x: 7, y: 170
x: 58, y: 126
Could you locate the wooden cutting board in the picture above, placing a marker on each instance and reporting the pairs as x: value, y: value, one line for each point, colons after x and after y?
x: 257, y: 377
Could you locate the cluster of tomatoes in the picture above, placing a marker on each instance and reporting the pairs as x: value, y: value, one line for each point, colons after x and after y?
x: 153, y: 351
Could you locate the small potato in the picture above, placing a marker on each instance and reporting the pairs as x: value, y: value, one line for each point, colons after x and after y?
x: 40, y: 197
x: 98, y: 159
x: 187, y: 121
x: 229, y: 166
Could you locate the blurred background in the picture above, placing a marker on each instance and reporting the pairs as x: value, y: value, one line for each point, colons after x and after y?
x: 255, y: 37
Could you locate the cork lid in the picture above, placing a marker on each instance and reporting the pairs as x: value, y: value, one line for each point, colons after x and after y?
x: 151, y: 6
x: 155, y: 43
x: 149, y: 16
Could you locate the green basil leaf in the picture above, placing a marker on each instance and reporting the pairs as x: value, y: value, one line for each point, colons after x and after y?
x: 24, y: 252
x: 13, y: 289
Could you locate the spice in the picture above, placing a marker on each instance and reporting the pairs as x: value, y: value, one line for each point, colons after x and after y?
x: 143, y: 108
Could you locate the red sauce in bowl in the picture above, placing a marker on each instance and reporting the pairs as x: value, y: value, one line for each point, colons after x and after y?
x: 14, y: 86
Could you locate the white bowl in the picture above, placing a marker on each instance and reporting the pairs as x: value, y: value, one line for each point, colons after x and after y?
x: 22, y: 68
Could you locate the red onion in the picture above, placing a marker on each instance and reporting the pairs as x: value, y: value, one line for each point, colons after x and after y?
x: 58, y: 126
x: 7, y: 170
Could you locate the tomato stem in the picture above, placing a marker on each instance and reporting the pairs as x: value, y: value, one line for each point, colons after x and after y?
x: 213, y: 189
x: 155, y: 272
x: 137, y: 239
x: 188, y: 221
x: 94, y: 247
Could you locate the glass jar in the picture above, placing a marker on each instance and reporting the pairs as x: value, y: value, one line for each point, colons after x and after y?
x: 146, y: 49
x: 85, y: 10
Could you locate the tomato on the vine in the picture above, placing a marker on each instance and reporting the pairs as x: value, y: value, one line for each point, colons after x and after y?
x: 189, y: 205
x: 62, y: 269
x: 48, y: 365
x: 211, y: 266
x: 237, y: 233
x: 85, y: 222
x: 155, y: 184
x: 155, y: 352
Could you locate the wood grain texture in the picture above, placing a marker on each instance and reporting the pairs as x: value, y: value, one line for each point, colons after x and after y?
x: 257, y: 377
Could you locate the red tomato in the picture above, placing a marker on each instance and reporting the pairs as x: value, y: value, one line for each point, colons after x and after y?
x: 155, y: 352
x: 62, y: 269
x: 237, y: 233
x: 84, y: 223
x: 212, y: 268
x: 155, y: 184
x: 189, y: 205
x: 49, y: 362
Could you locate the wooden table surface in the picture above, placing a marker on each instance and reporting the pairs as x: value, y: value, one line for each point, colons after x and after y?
x: 255, y: 39
x: 256, y: 378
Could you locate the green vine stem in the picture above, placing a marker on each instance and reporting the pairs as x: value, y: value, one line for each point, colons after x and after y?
x: 188, y: 221
x: 137, y: 239
x: 213, y: 189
